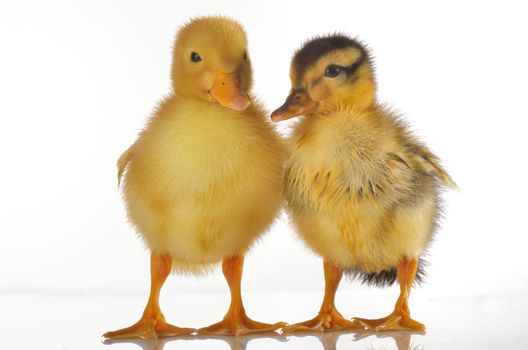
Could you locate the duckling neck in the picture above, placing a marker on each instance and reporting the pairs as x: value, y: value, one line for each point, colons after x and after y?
x: 354, y: 108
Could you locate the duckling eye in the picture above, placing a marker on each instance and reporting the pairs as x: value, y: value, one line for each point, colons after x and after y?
x: 332, y: 71
x: 195, y: 57
x: 244, y: 55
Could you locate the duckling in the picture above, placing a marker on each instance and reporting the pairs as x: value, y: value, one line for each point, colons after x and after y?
x: 361, y: 190
x: 204, y: 179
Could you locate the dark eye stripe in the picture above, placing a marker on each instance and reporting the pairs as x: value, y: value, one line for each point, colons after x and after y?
x: 316, y: 48
x: 351, y: 69
x: 348, y: 70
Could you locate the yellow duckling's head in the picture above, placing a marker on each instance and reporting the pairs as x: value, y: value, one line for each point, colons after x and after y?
x: 328, y: 73
x: 211, y: 62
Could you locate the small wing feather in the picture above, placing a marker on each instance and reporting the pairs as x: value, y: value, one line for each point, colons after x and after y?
x: 431, y: 164
x: 122, y: 162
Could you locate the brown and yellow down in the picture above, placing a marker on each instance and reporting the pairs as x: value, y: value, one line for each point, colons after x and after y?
x: 361, y: 191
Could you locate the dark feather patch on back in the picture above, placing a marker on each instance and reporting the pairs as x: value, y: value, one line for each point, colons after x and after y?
x: 386, y: 278
x: 314, y: 49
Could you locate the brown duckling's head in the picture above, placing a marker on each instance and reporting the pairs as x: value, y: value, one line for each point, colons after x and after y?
x: 328, y: 73
x: 211, y: 62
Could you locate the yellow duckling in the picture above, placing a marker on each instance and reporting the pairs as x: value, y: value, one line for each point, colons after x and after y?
x: 204, y: 179
x: 362, y: 192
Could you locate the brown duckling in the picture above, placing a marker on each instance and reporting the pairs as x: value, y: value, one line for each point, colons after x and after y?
x: 361, y: 190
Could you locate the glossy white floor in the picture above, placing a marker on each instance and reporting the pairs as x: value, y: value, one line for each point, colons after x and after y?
x: 77, y: 322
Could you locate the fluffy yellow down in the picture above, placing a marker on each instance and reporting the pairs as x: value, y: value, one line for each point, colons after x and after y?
x: 203, y: 181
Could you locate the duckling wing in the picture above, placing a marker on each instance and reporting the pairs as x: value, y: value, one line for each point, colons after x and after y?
x: 429, y: 163
x: 122, y: 163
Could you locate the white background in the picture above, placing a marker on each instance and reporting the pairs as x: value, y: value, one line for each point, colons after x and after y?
x: 78, y: 81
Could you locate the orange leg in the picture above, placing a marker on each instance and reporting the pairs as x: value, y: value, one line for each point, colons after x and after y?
x: 152, y: 324
x: 328, y: 319
x: 400, y: 318
x: 236, y: 322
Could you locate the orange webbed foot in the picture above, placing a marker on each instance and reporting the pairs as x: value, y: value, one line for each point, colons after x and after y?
x: 152, y: 323
x: 149, y: 328
x: 234, y: 324
x: 325, y: 321
x: 400, y: 318
x: 397, y: 321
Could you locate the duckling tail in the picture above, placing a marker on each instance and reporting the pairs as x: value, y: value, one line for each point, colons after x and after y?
x: 386, y: 278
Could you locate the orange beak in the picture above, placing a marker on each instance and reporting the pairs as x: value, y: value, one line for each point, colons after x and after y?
x: 297, y: 103
x: 227, y: 92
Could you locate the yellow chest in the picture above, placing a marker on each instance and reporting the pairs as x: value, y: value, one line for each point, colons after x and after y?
x: 203, y: 154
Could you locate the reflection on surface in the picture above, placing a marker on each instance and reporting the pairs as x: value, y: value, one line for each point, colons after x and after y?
x: 147, y: 344
x: 329, y: 340
x: 241, y: 342
x: 235, y: 343
x: 402, y: 340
